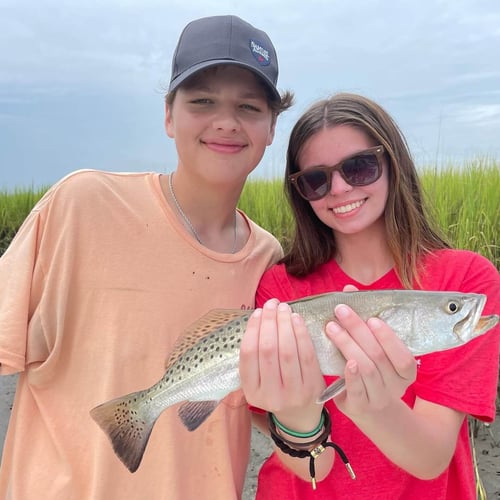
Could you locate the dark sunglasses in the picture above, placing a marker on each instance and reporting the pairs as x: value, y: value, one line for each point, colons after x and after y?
x: 360, y: 169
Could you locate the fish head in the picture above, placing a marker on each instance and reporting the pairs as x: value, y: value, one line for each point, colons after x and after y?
x: 442, y: 320
x: 458, y: 319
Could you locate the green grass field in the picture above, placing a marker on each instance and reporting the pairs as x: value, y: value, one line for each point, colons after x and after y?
x: 464, y: 201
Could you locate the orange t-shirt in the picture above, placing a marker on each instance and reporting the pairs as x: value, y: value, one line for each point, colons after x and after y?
x: 95, y: 288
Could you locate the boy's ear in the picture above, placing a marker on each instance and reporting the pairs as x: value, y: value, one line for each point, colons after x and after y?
x: 169, y: 126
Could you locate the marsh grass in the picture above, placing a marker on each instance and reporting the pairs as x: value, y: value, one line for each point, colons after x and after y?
x: 14, y: 208
x: 264, y: 201
x: 464, y: 200
x: 465, y: 203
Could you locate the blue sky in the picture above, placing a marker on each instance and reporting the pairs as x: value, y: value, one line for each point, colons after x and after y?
x: 81, y: 82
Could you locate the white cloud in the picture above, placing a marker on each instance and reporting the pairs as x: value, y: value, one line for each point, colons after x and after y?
x: 480, y: 115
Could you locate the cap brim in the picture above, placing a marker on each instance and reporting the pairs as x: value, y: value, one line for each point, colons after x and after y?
x: 176, y: 82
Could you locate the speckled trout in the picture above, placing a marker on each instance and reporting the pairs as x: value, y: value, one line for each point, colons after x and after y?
x: 203, y: 366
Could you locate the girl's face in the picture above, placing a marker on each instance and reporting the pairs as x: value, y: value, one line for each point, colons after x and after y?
x: 347, y: 209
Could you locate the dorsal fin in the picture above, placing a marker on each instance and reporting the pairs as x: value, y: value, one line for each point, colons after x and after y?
x: 206, y: 325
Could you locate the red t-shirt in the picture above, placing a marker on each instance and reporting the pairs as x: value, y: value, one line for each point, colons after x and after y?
x: 464, y: 378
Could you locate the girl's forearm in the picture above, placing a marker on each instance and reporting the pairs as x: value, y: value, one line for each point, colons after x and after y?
x: 421, y: 440
x: 299, y: 466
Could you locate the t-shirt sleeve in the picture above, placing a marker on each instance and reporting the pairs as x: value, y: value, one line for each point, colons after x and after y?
x: 466, y: 378
x: 16, y: 277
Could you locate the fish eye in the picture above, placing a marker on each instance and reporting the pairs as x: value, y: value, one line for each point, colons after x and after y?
x: 452, y: 307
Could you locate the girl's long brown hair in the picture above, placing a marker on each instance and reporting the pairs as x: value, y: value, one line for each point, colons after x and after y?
x: 409, y: 231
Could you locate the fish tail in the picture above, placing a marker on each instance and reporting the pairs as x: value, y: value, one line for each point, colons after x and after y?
x: 128, y: 425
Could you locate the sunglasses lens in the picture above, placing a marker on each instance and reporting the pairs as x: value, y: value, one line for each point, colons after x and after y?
x: 361, y: 170
x: 313, y: 185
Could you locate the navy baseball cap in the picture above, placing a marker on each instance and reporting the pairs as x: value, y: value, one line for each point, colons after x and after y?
x: 215, y: 40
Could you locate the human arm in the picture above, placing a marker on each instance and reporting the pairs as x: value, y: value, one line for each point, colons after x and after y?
x: 18, y: 294
x: 280, y: 373
x: 421, y: 439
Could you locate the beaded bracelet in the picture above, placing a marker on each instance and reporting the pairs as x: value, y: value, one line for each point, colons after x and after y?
x: 314, y: 448
x: 296, y: 434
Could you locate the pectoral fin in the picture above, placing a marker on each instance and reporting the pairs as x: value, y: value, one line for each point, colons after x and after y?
x: 332, y: 390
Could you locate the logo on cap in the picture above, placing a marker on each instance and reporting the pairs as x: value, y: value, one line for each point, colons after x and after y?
x: 260, y: 53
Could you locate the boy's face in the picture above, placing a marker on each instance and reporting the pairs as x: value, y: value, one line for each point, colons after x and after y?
x: 221, y: 122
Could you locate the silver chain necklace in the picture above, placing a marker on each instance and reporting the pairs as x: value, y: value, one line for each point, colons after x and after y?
x: 186, y: 218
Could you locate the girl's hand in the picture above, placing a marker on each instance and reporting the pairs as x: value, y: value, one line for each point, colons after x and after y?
x: 379, y: 366
x: 279, y: 369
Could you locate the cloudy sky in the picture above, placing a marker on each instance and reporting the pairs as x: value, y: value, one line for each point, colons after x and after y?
x: 82, y: 81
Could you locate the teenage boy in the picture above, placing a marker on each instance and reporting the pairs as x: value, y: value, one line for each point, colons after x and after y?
x: 109, y: 269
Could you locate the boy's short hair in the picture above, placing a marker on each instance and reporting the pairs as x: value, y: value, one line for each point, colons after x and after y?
x: 215, y: 40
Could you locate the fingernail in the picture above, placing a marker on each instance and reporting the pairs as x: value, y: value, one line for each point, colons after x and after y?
x: 283, y: 306
x: 341, y: 311
x: 271, y: 304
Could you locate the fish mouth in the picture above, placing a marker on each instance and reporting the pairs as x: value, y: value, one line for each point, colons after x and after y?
x: 466, y: 328
x: 485, y: 323
x: 481, y: 324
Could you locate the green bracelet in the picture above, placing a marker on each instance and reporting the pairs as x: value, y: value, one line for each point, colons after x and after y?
x: 296, y: 434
